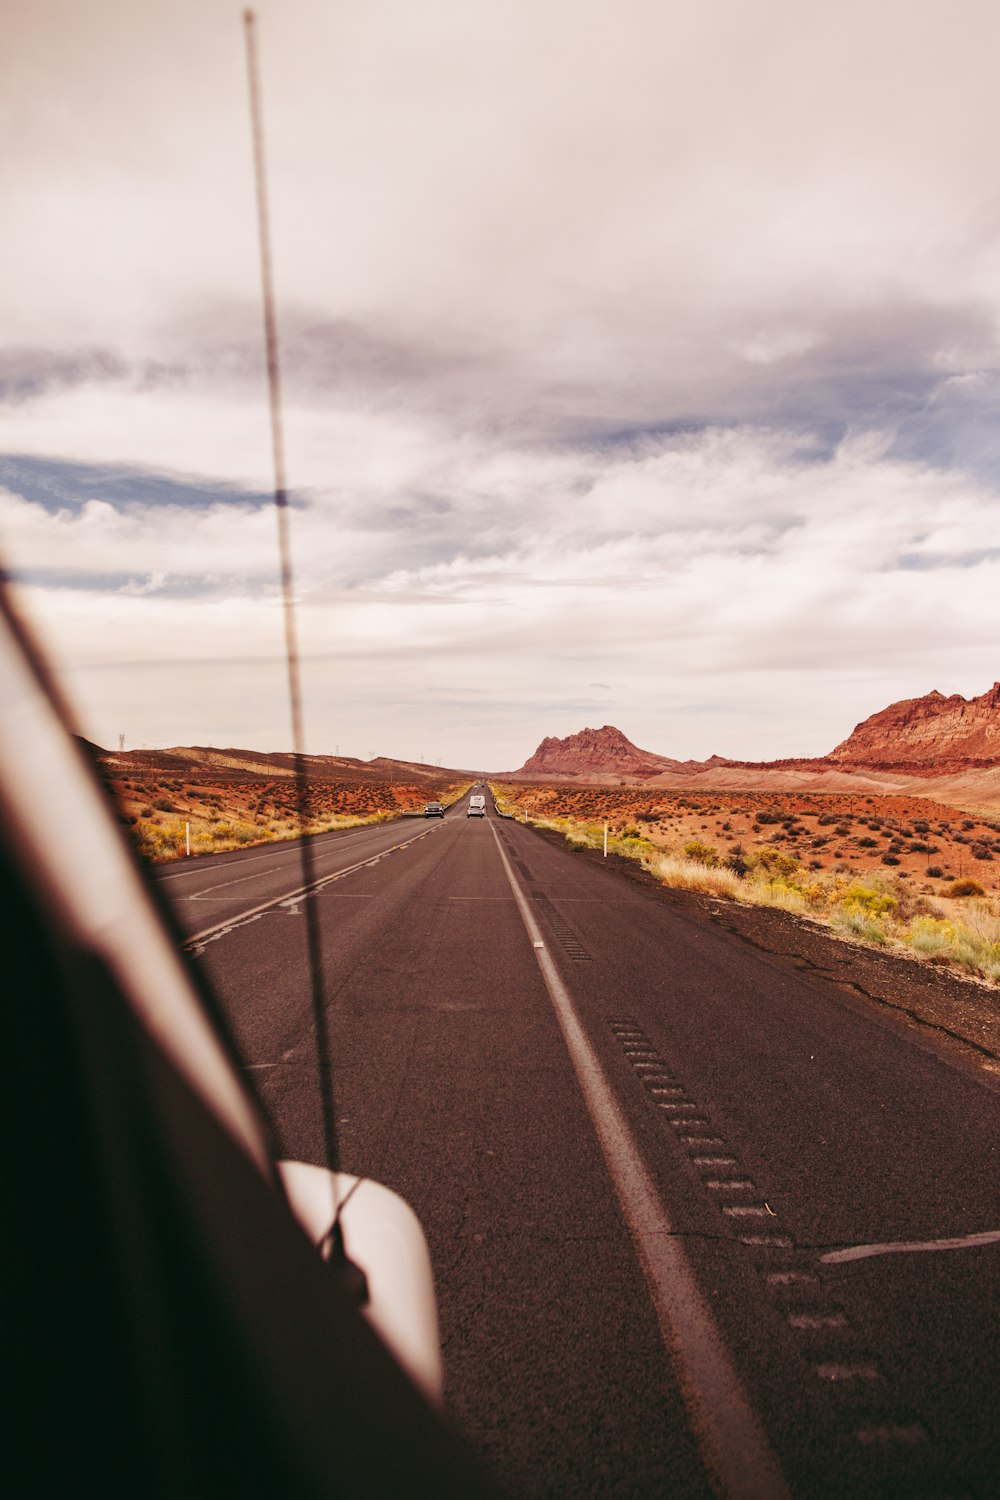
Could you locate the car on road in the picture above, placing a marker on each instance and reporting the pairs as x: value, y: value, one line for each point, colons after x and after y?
x: 477, y: 807
x: 434, y: 810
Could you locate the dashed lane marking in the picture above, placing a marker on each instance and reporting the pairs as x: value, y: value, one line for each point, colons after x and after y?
x: 841, y: 1372
x: 803, y: 1300
x: 885, y: 1433
x: 220, y: 929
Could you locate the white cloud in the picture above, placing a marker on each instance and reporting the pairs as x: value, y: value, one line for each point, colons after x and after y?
x: 647, y: 345
x: 788, y: 584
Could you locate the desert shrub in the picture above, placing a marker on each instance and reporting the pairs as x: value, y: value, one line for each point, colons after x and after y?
x: 935, y: 872
x: 866, y: 899
x: 973, y: 943
x: 890, y: 859
x: 854, y: 922
x: 867, y: 843
x: 783, y: 895
x: 772, y: 863
x: 930, y: 935
x: 965, y: 888
x: 702, y: 854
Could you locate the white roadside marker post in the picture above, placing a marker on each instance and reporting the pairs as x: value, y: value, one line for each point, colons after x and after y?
x: 187, y: 837
x: 605, y: 841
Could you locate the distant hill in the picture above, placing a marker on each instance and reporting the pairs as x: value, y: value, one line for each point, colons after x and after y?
x: 237, y: 765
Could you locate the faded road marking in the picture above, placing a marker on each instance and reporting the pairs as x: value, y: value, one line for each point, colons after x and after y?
x: 911, y: 1247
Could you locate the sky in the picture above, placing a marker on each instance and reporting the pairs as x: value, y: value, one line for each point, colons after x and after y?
x: 641, y: 364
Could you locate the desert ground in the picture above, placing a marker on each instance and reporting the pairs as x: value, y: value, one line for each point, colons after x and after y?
x: 226, y: 807
x: 913, y: 838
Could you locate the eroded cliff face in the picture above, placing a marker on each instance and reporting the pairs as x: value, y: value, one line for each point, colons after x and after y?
x: 928, y: 736
x: 933, y: 732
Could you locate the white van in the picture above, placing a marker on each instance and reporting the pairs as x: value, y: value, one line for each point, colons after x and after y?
x: 477, y: 807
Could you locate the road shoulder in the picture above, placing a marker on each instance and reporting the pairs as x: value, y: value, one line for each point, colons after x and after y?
x: 960, y: 1014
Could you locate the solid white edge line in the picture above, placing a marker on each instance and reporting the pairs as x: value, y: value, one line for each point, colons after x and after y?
x: 734, y: 1445
x: 303, y: 890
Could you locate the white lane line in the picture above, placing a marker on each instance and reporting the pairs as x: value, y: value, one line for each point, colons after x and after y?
x: 199, y: 868
x: 734, y: 1445
x: 911, y: 1247
x: 303, y: 890
x: 209, y: 891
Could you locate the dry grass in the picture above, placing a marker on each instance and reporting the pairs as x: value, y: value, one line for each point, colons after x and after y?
x: 690, y: 875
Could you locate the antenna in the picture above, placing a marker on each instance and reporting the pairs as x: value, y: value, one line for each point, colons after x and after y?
x: 308, y: 867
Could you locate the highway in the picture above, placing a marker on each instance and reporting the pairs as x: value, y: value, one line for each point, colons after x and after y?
x: 700, y: 1224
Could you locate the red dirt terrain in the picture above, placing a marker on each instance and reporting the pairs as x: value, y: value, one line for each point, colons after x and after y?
x: 232, y: 797
x: 913, y: 837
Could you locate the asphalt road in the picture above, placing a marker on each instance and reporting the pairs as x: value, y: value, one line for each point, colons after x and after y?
x: 674, y: 1191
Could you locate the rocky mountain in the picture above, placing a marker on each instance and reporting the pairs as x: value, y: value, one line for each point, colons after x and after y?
x: 932, y: 736
x: 934, y: 732
x: 604, y: 752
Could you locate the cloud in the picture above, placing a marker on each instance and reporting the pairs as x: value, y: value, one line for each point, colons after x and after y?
x: 655, y: 348
x: 717, y: 568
